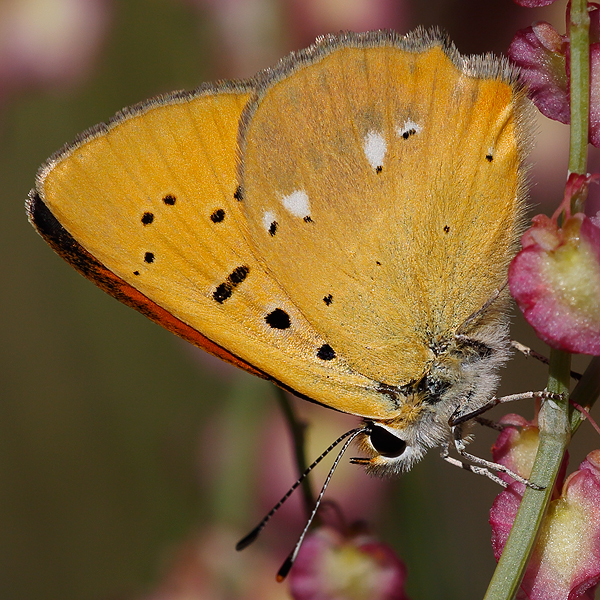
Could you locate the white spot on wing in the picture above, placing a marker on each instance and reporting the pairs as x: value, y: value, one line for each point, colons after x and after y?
x: 409, y: 127
x: 268, y: 217
x: 375, y: 148
x: 297, y: 204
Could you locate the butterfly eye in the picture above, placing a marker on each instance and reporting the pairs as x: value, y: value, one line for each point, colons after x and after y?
x: 386, y: 443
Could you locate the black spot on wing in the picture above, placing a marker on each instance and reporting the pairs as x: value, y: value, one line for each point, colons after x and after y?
x: 489, y: 157
x: 225, y: 290
x: 217, y: 216
x: 238, y: 194
x: 409, y: 132
x: 136, y: 272
x: 61, y: 241
x: 149, y: 257
x: 238, y: 275
x: 147, y: 218
x: 328, y: 299
x: 169, y: 199
x: 378, y: 169
x: 307, y: 219
x: 273, y: 228
x: 278, y: 319
x: 446, y: 229
x: 326, y: 352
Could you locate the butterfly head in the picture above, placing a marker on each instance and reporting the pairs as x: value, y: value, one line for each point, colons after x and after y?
x: 394, y: 447
x: 461, y: 378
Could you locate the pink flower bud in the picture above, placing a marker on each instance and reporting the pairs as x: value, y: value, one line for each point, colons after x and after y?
x: 333, y: 565
x: 543, y: 56
x: 516, y: 446
x: 555, y: 279
x: 539, y: 52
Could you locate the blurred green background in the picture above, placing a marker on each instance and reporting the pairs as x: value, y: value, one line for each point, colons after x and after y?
x: 119, y: 442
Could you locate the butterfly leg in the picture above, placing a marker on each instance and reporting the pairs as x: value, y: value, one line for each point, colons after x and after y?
x: 525, y: 350
x: 445, y: 453
x: 461, y: 448
x: 457, y: 418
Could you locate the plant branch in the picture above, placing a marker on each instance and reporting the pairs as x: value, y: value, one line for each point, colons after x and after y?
x: 297, y: 429
x: 554, y: 417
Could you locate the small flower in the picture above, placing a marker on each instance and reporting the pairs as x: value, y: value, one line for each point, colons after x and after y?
x: 516, y: 446
x: 539, y: 52
x: 555, y: 278
x: 565, y: 563
x: 350, y: 565
x: 543, y: 55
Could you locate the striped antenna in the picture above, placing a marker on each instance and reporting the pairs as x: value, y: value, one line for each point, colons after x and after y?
x: 251, y: 537
x: 289, y: 561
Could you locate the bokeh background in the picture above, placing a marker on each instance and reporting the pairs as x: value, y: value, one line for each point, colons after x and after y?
x: 131, y: 462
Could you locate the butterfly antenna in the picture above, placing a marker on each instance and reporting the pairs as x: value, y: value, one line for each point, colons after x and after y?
x: 289, y: 561
x: 246, y: 541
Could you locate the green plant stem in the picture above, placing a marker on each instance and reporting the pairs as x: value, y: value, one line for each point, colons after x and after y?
x: 554, y: 418
x: 580, y: 85
x: 554, y: 437
x: 586, y: 392
x: 297, y: 430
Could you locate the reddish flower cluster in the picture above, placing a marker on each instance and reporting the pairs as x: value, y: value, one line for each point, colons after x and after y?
x: 566, y: 559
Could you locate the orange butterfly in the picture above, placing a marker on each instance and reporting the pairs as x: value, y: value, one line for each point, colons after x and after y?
x: 340, y: 224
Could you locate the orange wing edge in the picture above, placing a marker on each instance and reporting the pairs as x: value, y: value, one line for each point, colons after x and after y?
x: 61, y: 241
